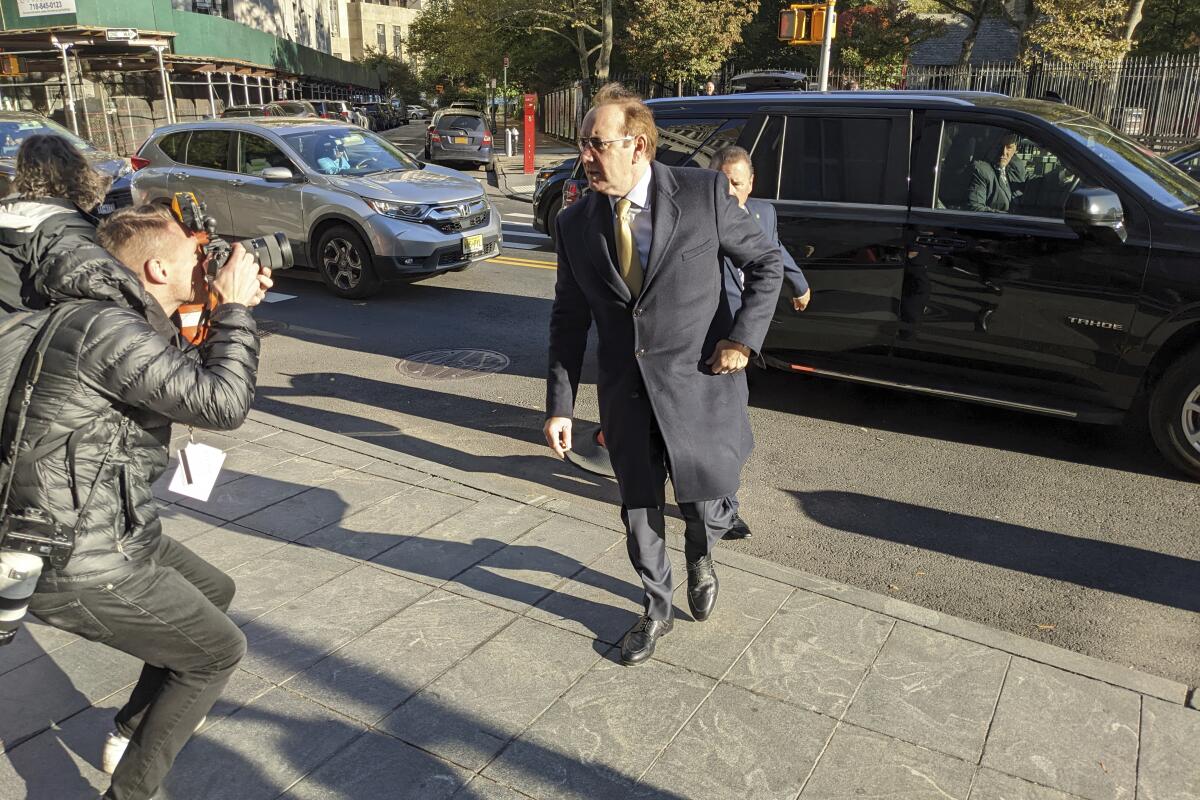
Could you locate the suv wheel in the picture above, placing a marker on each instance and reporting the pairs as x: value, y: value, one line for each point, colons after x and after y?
x: 1175, y: 413
x: 345, y: 263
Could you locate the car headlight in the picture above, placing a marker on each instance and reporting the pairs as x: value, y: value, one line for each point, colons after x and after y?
x: 397, y: 210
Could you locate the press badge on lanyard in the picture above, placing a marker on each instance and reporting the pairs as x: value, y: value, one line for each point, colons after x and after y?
x: 199, y: 466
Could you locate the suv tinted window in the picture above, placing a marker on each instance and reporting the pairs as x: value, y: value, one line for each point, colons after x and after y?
x: 988, y: 168
x: 844, y: 160
x: 765, y: 155
x: 209, y: 149
x: 173, y: 145
x: 257, y: 153
x: 678, y: 139
x: 727, y: 135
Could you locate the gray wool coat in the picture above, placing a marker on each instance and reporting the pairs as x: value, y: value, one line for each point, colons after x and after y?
x: 653, y: 348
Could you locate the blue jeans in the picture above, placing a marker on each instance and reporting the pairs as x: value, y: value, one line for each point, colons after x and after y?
x: 170, y: 613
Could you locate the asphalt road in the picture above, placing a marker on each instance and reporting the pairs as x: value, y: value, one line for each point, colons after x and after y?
x: 1075, y: 535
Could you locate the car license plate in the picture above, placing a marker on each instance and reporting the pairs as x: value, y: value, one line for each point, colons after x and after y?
x: 104, y: 209
x: 459, y: 140
x: 473, y: 245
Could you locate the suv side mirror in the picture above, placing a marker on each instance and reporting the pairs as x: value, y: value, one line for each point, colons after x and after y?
x: 278, y: 175
x: 1097, y: 211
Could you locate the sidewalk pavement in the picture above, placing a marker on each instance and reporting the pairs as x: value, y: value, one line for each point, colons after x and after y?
x: 418, y: 632
x: 510, y: 170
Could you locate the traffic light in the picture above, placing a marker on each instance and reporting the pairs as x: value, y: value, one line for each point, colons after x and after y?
x: 804, y: 24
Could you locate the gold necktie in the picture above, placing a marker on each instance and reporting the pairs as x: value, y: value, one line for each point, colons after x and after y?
x: 628, y: 260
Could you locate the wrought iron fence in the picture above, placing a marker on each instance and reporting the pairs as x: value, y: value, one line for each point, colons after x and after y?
x: 1156, y: 101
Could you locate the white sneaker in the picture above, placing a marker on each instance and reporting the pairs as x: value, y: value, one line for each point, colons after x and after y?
x: 114, y: 748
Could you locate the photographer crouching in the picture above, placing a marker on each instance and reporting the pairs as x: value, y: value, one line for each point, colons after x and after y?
x: 93, y: 438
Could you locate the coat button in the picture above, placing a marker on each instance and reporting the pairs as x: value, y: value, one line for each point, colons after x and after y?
x: 637, y: 312
x: 640, y: 353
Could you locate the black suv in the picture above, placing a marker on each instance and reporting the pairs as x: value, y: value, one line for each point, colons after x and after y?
x: 1018, y: 253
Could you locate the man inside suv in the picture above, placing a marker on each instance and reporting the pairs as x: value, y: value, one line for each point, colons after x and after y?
x: 331, y: 156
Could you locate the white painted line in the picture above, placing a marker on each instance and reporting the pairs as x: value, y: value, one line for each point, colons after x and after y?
x: 538, y: 237
x: 519, y: 224
x: 521, y: 216
x: 521, y: 245
x: 278, y: 297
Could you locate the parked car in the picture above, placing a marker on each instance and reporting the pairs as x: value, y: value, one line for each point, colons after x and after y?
x: 365, y: 119
x: 292, y: 108
x: 418, y: 112
x: 355, y: 207
x: 401, y: 112
x: 17, y: 126
x: 1053, y: 297
x: 333, y: 109
x: 548, y: 195
x: 253, y: 110
x: 459, y: 135
x: 1187, y: 159
x: 470, y: 105
x: 380, y: 115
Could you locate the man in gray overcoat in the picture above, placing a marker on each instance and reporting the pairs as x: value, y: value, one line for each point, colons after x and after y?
x: 642, y: 257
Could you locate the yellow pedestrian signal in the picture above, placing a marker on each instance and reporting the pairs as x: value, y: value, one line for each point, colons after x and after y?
x: 804, y: 24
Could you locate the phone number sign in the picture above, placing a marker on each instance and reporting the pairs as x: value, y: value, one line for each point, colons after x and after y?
x: 45, y: 8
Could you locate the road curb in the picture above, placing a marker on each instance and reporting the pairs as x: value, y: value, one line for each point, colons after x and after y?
x: 1005, y: 641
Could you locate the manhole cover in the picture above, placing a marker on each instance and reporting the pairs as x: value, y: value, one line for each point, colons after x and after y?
x: 451, y: 365
x: 266, y: 327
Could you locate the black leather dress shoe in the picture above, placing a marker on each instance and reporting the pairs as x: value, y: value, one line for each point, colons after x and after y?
x: 638, y: 644
x: 738, y: 530
x: 702, y: 588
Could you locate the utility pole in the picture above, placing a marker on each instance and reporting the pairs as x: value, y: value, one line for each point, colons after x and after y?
x: 827, y: 44
x: 506, y: 94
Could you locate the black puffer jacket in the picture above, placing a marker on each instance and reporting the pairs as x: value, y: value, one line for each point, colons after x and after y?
x: 31, y: 231
x: 119, y: 360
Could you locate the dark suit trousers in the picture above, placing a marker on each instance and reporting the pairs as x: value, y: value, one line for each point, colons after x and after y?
x: 705, y: 522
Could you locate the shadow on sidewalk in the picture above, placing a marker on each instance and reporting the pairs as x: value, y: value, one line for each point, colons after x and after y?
x: 485, y: 416
x: 259, y: 750
x: 1143, y: 574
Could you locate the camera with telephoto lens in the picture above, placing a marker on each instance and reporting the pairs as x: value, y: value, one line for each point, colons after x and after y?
x: 273, y: 252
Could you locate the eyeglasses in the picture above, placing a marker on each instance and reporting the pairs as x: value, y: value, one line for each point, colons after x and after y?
x: 598, y: 144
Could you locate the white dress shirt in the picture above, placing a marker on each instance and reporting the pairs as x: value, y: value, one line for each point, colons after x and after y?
x: 639, y: 213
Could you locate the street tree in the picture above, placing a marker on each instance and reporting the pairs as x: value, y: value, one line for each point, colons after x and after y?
x: 1169, y: 27
x: 1084, y: 30
x: 876, y: 39
x: 678, y: 40
x: 396, y: 77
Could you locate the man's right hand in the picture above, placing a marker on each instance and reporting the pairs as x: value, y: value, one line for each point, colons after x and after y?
x: 239, y: 281
x: 558, y: 435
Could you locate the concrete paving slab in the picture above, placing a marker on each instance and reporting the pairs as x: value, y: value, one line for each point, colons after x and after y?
x: 1169, y: 762
x: 332, y: 454
x: 62, y: 763
x: 303, y: 513
x: 182, y: 523
x: 380, y: 766
x: 745, y: 745
x: 380, y: 527
x: 32, y: 642
x: 467, y: 716
x: 268, y: 581
x: 486, y: 789
x: 521, y: 574
x: 451, y: 546
x: 290, y: 442
x: 932, y: 690
x: 260, y: 751
x: 1066, y: 732
x: 229, y: 546
x: 603, y: 734
x: 814, y: 653
x: 860, y: 763
x: 368, y: 678
x: 992, y: 785
x: 745, y: 604
x: 603, y: 600
x: 300, y: 633
x: 51, y: 688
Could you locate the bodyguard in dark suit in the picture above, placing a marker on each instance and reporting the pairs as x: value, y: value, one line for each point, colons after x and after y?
x: 996, y: 182
x: 641, y: 256
x: 735, y: 164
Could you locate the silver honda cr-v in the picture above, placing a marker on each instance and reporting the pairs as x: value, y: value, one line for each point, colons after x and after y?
x: 355, y: 207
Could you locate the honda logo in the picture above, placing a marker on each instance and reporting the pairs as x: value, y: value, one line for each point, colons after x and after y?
x: 464, y: 209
